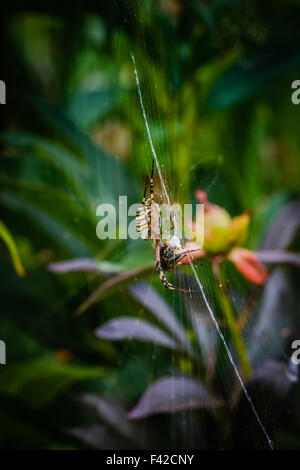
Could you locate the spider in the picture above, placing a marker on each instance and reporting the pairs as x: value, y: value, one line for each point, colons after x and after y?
x: 168, y: 253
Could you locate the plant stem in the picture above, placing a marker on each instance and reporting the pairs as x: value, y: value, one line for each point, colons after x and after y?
x: 232, y: 324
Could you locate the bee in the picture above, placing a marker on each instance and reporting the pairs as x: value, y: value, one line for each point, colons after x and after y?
x: 168, y: 253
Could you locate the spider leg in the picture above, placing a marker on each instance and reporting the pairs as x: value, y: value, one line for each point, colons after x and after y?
x: 183, y: 255
x: 151, y: 195
x: 160, y: 272
x: 166, y: 231
x: 180, y: 258
x: 151, y: 183
x: 145, y: 191
x: 142, y: 213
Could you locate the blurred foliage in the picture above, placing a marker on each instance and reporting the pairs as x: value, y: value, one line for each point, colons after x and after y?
x: 216, y: 77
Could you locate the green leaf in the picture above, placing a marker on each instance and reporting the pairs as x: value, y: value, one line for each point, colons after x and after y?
x: 48, y: 224
x: 54, y: 154
x: 12, y: 247
x: 37, y: 382
x: 87, y: 107
x: 23, y: 433
x: 248, y: 77
x: 102, y: 181
x: 59, y: 205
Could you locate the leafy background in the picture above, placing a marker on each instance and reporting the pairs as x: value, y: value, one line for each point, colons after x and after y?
x: 217, y: 82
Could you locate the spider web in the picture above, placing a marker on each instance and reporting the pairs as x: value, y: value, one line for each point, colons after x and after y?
x: 204, y: 299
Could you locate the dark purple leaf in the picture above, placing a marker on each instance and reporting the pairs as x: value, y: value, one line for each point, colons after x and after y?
x: 278, y: 374
x: 112, y: 282
x: 278, y: 257
x: 205, y: 331
x: 74, y: 265
x: 284, y: 228
x: 173, y: 394
x: 100, y: 436
x: 274, y: 316
x: 113, y: 412
x: 150, y: 299
x: 134, y: 328
x: 269, y: 388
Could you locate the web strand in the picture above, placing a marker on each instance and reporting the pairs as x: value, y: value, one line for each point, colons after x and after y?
x: 149, y: 133
x: 211, y: 313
